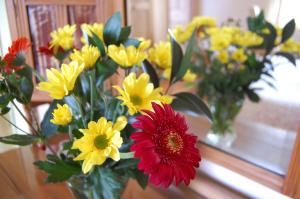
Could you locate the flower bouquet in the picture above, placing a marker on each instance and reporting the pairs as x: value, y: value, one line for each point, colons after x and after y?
x: 129, y: 130
x: 228, y: 60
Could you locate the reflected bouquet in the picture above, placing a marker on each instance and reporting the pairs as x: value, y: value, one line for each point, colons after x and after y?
x: 229, y: 59
x: 129, y: 130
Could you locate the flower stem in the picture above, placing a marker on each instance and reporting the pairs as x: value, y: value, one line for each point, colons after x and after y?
x: 14, y: 125
x: 127, y: 155
x: 24, y: 117
x: 91, y: 95
x: 80, y: 109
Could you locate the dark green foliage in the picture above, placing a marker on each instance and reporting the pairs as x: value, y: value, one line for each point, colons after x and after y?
x: 18, y: 139
x: 59, y: 170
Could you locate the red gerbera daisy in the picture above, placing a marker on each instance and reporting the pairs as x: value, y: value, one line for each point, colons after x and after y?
x: 17, y: 50
x: 166, y: 151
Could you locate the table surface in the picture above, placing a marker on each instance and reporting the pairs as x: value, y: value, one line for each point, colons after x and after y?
x: 20, y: 179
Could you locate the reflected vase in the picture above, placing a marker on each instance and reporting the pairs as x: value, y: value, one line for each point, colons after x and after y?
x: 224, y: 110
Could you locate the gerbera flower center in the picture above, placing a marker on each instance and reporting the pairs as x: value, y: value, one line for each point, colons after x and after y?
x: 136, y: 100
x: 101, y: 142
x: 174, y: 143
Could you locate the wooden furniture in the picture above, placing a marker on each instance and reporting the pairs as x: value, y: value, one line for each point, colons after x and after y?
x: 20, y: 179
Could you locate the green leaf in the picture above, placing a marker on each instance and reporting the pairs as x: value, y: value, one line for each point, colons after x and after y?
x: 112, y: 29
x: 127, y: 163
x: 26, y: 87
x: 96, y: 41
x: 19, y: 60
x: 4, y: 100
x: 4, y: 110
x: 288, y: 56
x: 132, y: 42
x: 186, y: 61
x: 148, y: 68
x: 191, y: 104
x: 125, y: 32
x: 252, y: 96
x: 270, y: 38
x: 58, y: 169
x: 18, y: 139
x: 105, y: 70
x: 288, y: 30
x: 48, y: 129
x: 177, y: 56
x: 139, y: 176
x: 110, y: 183
x: 72, y: 104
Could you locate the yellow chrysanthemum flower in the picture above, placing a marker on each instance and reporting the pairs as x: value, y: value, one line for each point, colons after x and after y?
x: 138, y: 93
x: 161, y: 55
x: 100, y: 140
x: 182, y: 35
x: 199, y: 21
x: 63, y: 37
x: 96, y: 28
x: 290, y: 46
x: 247, y: 39
x: 62, y: 115
x: 126, y: 57
x: 220, y: 42
x: 239, y: 55
x: 61, y: 83
x: 223, y: 56
x: 88, y: 56
x: 144, y: 43
x: 189, y: 76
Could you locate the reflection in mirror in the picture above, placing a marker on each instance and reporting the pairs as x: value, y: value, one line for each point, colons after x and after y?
x: 264, y: 132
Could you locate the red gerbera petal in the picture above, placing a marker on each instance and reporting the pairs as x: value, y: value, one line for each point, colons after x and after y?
x: 22, y: 44
x: 18, y: 47
x: 167, y: 152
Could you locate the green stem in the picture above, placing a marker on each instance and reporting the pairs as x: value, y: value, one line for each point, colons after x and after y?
x: 24, y: 117
x: 70, y: 132
x: 91, y: 94
x: 37, y: 75
x: 127, y: 155
x: 80, y: 109
x: 14, y: 125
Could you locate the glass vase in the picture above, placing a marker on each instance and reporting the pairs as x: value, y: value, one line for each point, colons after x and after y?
x: 93, y: 187
x: 224, y: 110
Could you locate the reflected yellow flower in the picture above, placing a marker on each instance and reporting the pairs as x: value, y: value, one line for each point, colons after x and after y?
x: 247, y: 38
x: 62, y: 37
x: 88, y: 56
x: 100, y: 140
x: 223, y: 56
x: 61, y: 83
x: 239, y: 55
x: 126, y: 57
x: 189, y: 76
x: 199, y: 21
x: 61, y: 115
x: 220, y: 42
x: 138, y: 94
x: 161, y: 55
x: 290, y: 46
x: 182, y: 35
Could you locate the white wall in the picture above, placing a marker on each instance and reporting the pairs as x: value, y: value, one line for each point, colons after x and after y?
x: 238, y: 9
